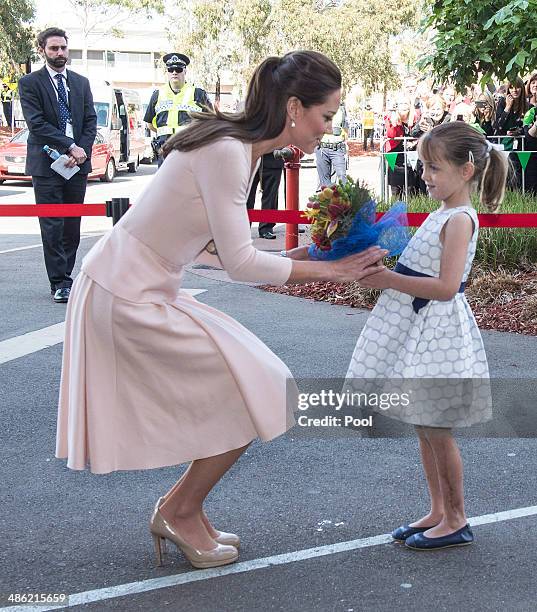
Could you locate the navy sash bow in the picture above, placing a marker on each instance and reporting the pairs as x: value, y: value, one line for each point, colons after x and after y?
x: 418, y: 303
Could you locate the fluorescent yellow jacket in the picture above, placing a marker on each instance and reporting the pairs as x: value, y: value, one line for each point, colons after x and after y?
x: 171, y: 109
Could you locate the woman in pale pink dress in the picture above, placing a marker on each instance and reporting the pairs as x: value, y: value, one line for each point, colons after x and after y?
x: 151, y: 377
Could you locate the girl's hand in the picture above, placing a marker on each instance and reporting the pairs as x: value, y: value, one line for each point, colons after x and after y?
x: 380, y: 280
x: 299, y: 253
x: 358, y: 266
x: 508, y: 102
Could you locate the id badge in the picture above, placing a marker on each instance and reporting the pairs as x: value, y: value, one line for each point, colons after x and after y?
x: 69, y: 131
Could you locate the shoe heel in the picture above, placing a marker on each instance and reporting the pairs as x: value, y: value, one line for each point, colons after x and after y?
x: 158, y: 548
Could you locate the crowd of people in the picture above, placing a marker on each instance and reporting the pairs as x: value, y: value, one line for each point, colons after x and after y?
x: 505, y: 115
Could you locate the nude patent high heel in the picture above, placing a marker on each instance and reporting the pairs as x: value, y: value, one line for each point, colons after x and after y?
x: 222, y: 537
x: 161, y: 531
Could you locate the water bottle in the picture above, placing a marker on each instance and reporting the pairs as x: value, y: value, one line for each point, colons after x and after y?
x: 52, y: 153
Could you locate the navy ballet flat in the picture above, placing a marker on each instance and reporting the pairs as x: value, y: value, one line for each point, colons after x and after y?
x: 405, y: 531
x: 461, y: 537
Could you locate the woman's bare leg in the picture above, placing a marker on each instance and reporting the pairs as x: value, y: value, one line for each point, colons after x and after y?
x: 212, y: 531
x: 183, y: 506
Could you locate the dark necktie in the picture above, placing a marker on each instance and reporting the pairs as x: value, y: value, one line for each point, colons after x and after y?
x: 65, y: 115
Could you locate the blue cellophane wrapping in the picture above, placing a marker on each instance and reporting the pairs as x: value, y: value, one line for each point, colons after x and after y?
x: 390, y: 232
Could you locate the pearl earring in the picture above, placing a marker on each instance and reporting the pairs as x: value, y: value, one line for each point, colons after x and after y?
x: 292, y: 123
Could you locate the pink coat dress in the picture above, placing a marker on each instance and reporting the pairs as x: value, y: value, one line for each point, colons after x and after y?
x: 151, y: 377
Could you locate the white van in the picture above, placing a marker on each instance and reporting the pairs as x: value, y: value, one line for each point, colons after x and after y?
x: 120, y: 123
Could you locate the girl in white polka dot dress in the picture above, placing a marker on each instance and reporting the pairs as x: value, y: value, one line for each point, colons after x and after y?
x: 422, y: 327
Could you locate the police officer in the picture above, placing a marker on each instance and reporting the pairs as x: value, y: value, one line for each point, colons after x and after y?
x: 330, y: 155
x: 169, y: 106
x: 7, y: 101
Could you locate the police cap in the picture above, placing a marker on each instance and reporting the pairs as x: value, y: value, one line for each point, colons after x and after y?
x: 175, y: 59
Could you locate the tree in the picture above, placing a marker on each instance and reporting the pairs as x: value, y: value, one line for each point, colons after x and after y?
x: 104, y: 17
x: 475, y: 41
x: 238, y: 34
x: 16, y: 35
x: 357, y: 35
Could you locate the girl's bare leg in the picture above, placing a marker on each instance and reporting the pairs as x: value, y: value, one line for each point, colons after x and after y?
x: 428, y: 461
x: 450, y: 478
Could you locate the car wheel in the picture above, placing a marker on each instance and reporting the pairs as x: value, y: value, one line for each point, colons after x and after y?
x: 110, y: 171
x: 134, y: 166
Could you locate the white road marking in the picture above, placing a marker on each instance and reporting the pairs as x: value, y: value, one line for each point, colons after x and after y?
x: 20, y: 346
x: 40, y: 245
x: 34, y: 341
x: 144, y: 586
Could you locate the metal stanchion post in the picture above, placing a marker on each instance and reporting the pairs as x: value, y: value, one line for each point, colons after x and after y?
x: 383, y: 171
x: 405, y: 166
x: 116, y: 208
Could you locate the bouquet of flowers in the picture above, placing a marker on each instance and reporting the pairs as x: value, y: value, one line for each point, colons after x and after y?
x: 344, y: 222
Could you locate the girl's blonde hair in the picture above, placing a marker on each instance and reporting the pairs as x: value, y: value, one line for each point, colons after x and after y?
x: 459, y: 143
x: 436, y: 100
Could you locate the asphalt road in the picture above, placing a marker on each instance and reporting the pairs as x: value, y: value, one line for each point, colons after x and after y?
x: 70, y: 532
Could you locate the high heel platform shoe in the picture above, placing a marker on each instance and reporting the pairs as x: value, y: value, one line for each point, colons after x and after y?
x: 161, y: 531
x: 222, y: 537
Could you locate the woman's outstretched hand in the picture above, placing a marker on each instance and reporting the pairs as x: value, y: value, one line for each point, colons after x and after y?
x: 358, y: 266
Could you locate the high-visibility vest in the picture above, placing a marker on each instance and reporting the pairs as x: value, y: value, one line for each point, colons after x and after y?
x: 368, y: 119
x: 338, y: 121
x: 170, y: 106
x: 7, y: 94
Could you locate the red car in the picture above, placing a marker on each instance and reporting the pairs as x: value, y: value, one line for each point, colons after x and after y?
x: 13, y: 158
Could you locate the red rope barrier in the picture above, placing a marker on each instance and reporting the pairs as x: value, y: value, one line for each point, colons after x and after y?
x: 512, y: 220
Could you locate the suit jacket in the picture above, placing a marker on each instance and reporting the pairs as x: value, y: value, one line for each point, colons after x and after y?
x: 40, y: 109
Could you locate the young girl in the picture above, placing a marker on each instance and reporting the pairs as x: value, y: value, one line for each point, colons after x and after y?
x: 422, y: 327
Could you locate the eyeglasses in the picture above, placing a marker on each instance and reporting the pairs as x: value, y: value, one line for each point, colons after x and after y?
x: 176, y: 69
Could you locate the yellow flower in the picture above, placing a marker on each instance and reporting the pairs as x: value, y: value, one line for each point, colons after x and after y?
x: 311, y: 213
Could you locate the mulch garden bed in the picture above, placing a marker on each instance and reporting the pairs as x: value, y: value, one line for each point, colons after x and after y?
x: 501, y: 300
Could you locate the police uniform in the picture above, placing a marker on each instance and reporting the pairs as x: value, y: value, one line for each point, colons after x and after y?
x: 331, y: 154
x: 168, y: 111
x: 7, y: 101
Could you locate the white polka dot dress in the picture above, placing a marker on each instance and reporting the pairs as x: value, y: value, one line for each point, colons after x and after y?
x: 429, y: 349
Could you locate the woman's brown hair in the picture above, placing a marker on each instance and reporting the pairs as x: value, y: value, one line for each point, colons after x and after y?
x: 459, y: 143
x: 307, y: 75
x: 520, y: 106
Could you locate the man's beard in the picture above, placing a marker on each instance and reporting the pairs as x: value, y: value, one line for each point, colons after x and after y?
x: 56, y: 62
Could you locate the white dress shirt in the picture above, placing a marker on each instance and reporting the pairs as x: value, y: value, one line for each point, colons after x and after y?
x: 52, y: 74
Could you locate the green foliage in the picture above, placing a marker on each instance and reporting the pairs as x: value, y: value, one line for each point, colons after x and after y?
x: 356, y: 35
x: 16, y: 34
x: 474, y: 41
x: 238, y: 34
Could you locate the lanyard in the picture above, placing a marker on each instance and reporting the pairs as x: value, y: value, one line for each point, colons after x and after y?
x: 60, y: 95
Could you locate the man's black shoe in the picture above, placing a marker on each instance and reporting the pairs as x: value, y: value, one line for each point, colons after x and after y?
x: 62, y: 295
x: 267, y: 235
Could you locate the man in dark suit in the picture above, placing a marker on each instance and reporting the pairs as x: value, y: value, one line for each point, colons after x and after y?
x: 269, y: 175
x: 58, y: 108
